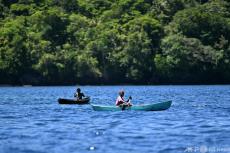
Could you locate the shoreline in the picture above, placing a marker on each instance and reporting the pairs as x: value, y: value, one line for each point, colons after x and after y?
x: 60, y: 85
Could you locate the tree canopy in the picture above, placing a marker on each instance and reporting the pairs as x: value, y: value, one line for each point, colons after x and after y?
x: 114, y: 41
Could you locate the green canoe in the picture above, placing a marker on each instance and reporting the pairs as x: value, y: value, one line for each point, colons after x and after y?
x: 147, y: 107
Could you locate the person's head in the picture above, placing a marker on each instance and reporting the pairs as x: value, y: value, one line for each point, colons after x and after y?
x: 78, y: 90
x: 122, y: 93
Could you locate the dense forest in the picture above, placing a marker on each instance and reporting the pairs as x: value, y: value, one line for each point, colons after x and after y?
x: 51, y: 42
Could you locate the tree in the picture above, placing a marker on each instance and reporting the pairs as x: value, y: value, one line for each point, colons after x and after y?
x: 186, y: 59
x: 14, y: 56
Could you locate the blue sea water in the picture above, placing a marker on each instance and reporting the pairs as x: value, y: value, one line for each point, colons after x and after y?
x: 32, y: 121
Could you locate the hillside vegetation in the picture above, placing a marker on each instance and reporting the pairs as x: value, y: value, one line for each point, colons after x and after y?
x: 114, y: 41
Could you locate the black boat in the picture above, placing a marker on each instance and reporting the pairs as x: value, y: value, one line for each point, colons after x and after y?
x: 74, y: 101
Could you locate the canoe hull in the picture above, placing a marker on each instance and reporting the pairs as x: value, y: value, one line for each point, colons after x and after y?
x: 149, y: 107
x: 74, y: 101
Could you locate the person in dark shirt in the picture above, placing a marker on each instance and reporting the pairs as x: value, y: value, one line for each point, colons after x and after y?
x: 79, y: 94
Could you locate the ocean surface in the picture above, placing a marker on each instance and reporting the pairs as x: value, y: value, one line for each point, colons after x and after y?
x: 32, y: 121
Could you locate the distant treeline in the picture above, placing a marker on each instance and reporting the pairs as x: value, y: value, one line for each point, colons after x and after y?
x: 52, y: 42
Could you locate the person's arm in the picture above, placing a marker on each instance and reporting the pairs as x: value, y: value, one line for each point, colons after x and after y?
x: 122, y: 100
x: 119, y: 101
x: 129, y: 100
x: 83, y: 95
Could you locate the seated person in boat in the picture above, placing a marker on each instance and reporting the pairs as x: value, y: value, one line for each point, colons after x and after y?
x: 79, y: 94
x: 120, y: 100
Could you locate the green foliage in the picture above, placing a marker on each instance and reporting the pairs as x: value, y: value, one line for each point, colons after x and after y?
x: 207, y: 22
x: 14, y: 56
x: 114, y: 41
x: 164, y: 10
x: 185, y: 59
x: 20, y: 9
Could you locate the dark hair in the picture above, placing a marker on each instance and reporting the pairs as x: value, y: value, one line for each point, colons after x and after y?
x: 78, y: 89
x: 122, y: 92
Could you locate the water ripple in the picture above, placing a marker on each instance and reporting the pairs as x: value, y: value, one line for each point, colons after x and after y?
x: 31, y: 120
